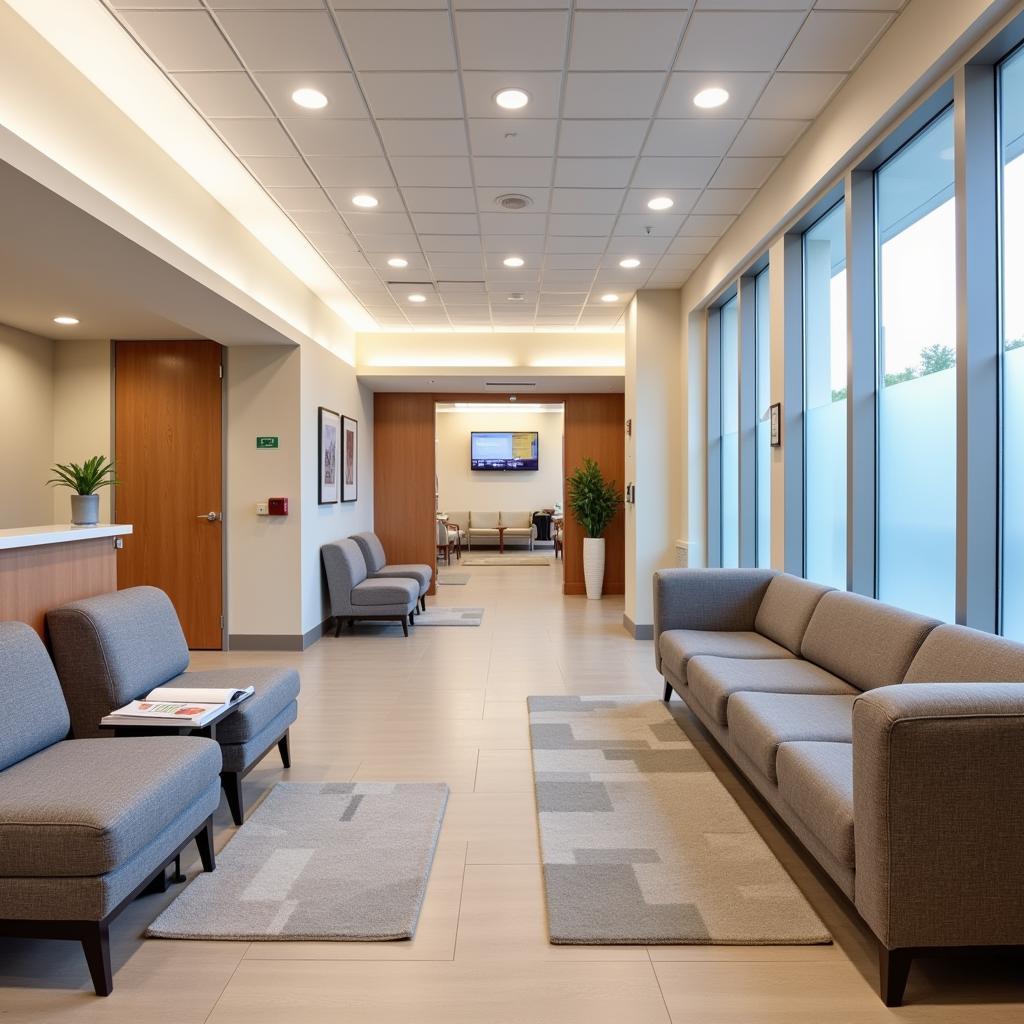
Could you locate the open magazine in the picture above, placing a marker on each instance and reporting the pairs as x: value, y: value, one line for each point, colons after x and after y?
x: 177, y: 705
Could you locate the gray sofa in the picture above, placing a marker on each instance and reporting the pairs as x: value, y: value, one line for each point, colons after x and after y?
x: 890, y: 744
x: 86, y: 825
x: 377, y: 567
x: 116, y: 647
x: 354, y: 596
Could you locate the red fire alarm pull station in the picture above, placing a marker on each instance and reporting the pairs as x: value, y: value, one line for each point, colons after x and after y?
x: 278, y: 506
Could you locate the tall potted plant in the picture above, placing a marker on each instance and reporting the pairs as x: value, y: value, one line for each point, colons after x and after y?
x: 84, y: 481
x: 593, y: 502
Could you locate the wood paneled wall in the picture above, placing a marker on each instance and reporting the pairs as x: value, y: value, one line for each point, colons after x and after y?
x: 595, y: 428
x: 403, y: 475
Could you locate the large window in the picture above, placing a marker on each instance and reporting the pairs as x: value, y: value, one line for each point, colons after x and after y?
x: 825, y: 399
x: 1011, y: 88
x: 916, y: 257
x: 730, y: 397
x: 762, y: 366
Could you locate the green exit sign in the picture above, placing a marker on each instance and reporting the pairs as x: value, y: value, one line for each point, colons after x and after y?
x: 267, y: 442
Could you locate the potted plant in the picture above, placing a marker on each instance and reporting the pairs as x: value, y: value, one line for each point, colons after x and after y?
x: 593, y: 502
x: 84, y: 480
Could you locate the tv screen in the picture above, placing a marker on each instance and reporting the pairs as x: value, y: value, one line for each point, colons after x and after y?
x: 503, y: 450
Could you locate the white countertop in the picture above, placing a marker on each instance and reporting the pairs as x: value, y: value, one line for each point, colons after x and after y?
x: 62, y: 533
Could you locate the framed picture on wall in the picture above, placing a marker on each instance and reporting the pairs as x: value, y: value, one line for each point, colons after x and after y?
x: 329, y: 453
x: 349, y: 459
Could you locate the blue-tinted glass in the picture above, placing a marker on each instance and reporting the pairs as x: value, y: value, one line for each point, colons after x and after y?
x: 1011, y: 81
x: 762, y: 358
x: 917, y: 367
x: 825, y: 399
x: 730, y: 435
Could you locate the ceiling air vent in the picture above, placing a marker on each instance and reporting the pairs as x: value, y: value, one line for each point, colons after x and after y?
x: 510, y: 385
x: 513, y: 201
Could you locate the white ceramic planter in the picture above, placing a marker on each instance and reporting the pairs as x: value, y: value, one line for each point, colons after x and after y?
x: 593, y: 566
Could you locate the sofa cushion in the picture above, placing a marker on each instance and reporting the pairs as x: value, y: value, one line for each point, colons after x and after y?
x: 113, y: 648
x: 276, y: 688
x: 375, y: 593
x: 83, y: 807
x: 483, y: 520
x: 816, y: 780
x: 517, y: 520
x: 786, y: 608
x: 422, y: 574
x: 865, y: 642
x: 759, y: 723
x: 678, y: 646
x: 714, y: 680
x: 32, y: 710
x: 372, y: 550
x: 957, y: 654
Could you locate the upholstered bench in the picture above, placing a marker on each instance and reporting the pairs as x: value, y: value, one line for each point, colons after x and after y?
x: 115, y: 648
x: 354, y: 596
x: 377, y: 567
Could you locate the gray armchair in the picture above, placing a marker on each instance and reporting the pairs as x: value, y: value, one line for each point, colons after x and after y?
x: 115, y: 648
x: 86, y: 825
x: 354, y: 596
x: 377, y: 567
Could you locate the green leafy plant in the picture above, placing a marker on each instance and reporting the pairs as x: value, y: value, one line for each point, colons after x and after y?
x: 86, y: 478
x: 592, y: 499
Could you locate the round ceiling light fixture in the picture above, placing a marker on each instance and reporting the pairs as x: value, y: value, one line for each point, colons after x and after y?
x: 708, y: 99
x: 516, y: 297
x: 609, y: 297
x: 513, y: 261
x: 367, y: 202
x: 513, y: 201
x: 660, y: 203
x: 629, y: 263
x: 311, y: 99
x: 512, y: 99
x: 417, y: 297
x: 65, y: 321
x: 398, y: 262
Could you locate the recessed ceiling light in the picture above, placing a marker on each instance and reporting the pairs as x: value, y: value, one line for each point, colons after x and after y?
x: 368, y: 202
x: 708, y: 99
x: 397, y: 261
x: 512, y: 99
x: 610, y: 297
x: 660, y: 203
x: 516, y: 297
x: 65, y: 321
x: 311, y: 99
x: 417, y: 297
x: 514, y: 261
x: 630, y: 263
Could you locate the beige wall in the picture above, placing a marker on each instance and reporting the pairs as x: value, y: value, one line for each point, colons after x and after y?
x: 462, y: 489
x: 26, y: 429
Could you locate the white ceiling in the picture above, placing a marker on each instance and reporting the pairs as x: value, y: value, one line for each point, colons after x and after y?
x: 411, y: 119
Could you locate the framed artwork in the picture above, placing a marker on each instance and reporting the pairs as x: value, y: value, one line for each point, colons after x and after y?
x: 329, y: 452
x: 349, y: 458
x: 775, y: 425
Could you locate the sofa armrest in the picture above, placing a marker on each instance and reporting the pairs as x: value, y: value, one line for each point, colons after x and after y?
x: 938, y: 773
x: 715, y: 599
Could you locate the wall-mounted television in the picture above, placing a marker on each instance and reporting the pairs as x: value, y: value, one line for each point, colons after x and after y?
x: 503, y: 450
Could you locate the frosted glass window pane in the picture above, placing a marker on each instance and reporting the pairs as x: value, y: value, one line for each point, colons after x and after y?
x: 825, y: 399
x: 730, y: 436
x: 1012, y: 136
x: 762, y: 311
x: 917, y: 363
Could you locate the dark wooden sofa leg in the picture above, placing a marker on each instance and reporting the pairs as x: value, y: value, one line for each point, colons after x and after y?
x: 405, y: 624
x: 423, y: 602
x: 96, y: 946
x: 232, y: 783
x: 284, y: 750
x: 893, y: 970
x: 338, y: 623
x: 668, y: 692
x: 204, y: 842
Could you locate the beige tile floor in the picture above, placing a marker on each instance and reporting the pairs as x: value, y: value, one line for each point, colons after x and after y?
x: 449, y: 704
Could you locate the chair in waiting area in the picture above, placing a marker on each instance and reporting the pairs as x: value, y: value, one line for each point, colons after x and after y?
x: 86, y: 825
x: 377, y: 567
x: 447, y: 539
x: 354, y: 596
x: 115, y: 648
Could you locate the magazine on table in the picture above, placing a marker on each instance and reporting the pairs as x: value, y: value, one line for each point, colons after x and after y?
x: 188, y: 706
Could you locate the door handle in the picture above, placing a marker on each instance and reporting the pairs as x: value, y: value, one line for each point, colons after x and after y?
x: 211, y: 517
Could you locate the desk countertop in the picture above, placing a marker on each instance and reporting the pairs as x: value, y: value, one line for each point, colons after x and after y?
x: 63, y: 533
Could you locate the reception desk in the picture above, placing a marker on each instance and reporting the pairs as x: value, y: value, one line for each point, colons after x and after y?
x: 42, y: 567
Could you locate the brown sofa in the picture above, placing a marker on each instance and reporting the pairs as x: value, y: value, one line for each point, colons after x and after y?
x: 890, y: 744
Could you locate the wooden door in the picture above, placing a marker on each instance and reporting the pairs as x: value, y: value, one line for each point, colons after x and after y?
x: 167, y: 444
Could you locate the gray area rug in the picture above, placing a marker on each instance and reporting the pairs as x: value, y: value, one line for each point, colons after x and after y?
x: 450, y: 617
x: 334, y: 861
x: 506, y: 560
x: 641, y: 844
x: 452, y: 579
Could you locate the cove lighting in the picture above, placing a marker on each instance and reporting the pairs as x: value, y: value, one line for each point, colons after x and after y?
x: 365, y: 201
x: 512, y: 99
x: 311, y: 99
x: 397, y: 261
x: 610, y: 297
x: 708, y: 99
x: 514, y: 261
x: 630, y: 263
x: 65, y: 321
x: 660, y: 203
x: 417, y: 297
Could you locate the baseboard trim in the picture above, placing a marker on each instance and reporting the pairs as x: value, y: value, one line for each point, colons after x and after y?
x: 311, y: 636
x: 641, y: 631
x: 265, y: 642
